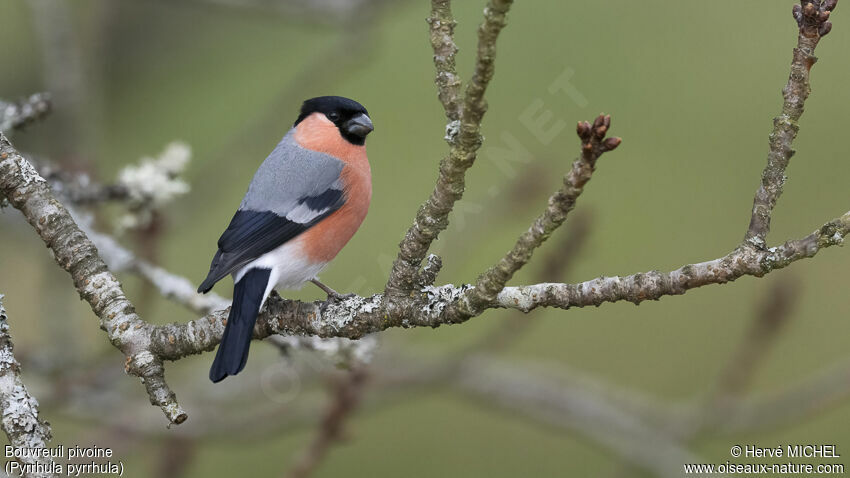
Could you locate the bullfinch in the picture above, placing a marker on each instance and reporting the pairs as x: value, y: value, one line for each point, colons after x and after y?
x: 306, y: 201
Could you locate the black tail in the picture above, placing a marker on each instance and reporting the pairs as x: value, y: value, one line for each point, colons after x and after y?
x: 233, y: 351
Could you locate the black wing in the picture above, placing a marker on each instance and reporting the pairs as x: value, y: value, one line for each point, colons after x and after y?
x: 254, y: 233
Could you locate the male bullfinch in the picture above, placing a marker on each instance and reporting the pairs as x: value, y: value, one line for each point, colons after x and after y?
x: 305, y: 202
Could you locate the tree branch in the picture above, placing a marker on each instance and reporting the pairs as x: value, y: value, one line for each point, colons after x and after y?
x: 812, y: 18
x: 346, y: 396
x: 171, y: 286
x: 492, y: 281
x: 812, y: 395
x: 442, y: 25
x: 636, y: 288
x: 80, y: 189
x: 463, y: 135
x: 409, y: 299
x: 593, y: 416
x: 357, y: 316
x: 20, y: 420
x: 29, y: 193
x: 19, y: 114
x: 773, y: 313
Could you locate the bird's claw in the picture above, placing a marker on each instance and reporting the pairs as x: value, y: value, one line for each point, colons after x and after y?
x: 337, y: 297
x: 333, y: 296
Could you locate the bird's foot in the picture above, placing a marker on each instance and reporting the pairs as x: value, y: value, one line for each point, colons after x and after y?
x: 332, y: 294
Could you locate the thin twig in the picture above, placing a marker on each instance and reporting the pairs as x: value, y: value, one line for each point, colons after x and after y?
x: 78, y: 188
x: 491, y: 282
x: 171, y: 286
x: 812, y: 18
x: 556, y: 264
x: 442, y: 25
x: 464, y: 138
x: 774, y: 312
x: 16, y: 115
x: 523, y: 392
x: 346, y: 396
x: 653, y: 285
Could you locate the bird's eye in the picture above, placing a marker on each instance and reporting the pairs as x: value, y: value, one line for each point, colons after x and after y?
x: 333, y: 116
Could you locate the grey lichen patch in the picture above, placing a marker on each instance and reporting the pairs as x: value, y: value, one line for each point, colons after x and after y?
x: 372, y: 305
x: 27, y: 173
x: 452, y: 131
x: 438, y: 298
x: 17, y: 412
x: 20, y: 418
x: 757, y: 242
x: 339, y: 315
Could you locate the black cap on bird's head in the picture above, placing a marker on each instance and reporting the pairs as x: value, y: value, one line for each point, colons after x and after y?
x: 349, y: 116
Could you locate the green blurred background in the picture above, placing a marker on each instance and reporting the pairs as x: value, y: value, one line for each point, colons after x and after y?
x: 692, y: 88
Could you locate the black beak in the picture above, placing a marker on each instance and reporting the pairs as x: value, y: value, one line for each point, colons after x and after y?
x: 360, y: 125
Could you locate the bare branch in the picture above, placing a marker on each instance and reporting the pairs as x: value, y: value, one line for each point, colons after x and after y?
x: 474, y: 107
x: 773, y: 314
x: 743, y: 261
x: 19, y: 114
x: 722, y: 403
x: 464, y: 137
x: 169, y: 285
x: 74, y: 252
x: 812, y: 18
x: 557, y: 262
x: 442, y: 25
x: 20, y: 420
x: 346, y: 396
x: 525, y: 393
x: 491, y: 282
x: 812, y: 395
x: 79, y: 188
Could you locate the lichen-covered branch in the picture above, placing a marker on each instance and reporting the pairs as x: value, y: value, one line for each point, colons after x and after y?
x: 143, y: 188
x: 464, y: 138
x: 14, y: 115
x: 20, y: 420
x: 356, y: 316
x: 29, y: 193
x: 492, y: 281
x: 812, y: 18
x: 636, y: 288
